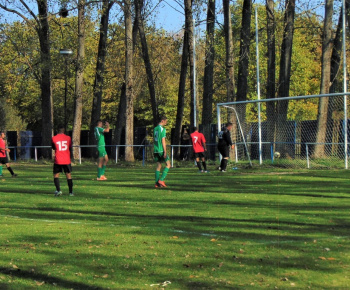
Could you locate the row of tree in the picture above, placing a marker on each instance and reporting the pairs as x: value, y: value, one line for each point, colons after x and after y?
x: 128, y: 71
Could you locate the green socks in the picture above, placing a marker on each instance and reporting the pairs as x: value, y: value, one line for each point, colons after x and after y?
x: 101, y: 171
x: 164, y: 174
x: 1, y: 170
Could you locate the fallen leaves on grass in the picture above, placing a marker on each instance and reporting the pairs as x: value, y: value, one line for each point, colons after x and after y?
x: 39, y: 283
x: 329, y: 259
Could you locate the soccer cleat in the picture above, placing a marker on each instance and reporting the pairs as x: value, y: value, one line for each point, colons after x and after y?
x: 104, y: 177
x: 101, y: 178
x: 206, y: 171
x: 161, y: 183
x: 58, y: 193
x: 219, y: 168
x: 14, y: 175
x: 223, y: 170
x: 157, y: 185
x: 71, y: 194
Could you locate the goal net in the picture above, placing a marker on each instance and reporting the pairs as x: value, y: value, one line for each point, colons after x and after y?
x: 303, y: 131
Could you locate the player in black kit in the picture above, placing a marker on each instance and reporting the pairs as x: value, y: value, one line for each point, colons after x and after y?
x: 224, y: 143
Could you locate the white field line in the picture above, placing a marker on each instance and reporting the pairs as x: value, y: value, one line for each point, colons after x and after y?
x: 251, y: 242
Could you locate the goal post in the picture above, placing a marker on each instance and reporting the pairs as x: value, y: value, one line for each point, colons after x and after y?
x: 292, y: 127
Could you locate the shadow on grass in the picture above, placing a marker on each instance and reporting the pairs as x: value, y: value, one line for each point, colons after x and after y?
x: 47, y: 279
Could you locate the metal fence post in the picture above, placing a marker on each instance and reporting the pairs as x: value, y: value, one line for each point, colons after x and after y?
x: 172, y: 156
x: 307, y: 156
x: 116, y: 154
x: 236, y: 153
x: 271, y: 152
x: 36, y: 153
x: 143, y: 155
x: 79, y: 155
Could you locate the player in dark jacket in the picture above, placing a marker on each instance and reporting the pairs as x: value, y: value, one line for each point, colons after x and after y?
x: 225, y: 142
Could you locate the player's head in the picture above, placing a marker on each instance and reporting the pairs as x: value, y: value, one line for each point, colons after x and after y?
x: 229, y: 126
x: 61, y: 129
x: 194, y: 129
x: 99, y: 123
x: 2, y: 134
x: 163, y: 120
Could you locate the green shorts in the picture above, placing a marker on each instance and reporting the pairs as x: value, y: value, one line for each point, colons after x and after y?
x: 101, y: 151
x: 159, y: 157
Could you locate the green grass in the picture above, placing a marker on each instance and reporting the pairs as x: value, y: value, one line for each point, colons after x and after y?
x: 244, y: 229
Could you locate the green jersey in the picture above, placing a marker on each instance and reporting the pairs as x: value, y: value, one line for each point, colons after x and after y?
x: 158, y: 135
x: 100, y: 137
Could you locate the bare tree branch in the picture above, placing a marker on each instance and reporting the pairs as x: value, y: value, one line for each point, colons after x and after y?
x: 20, y: 15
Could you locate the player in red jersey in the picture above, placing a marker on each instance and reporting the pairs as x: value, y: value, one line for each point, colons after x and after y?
x: 3, y: 156
x: 62, y: 144
x: 199, y: 147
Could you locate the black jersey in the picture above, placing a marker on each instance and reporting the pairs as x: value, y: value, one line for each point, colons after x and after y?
x: 224, y: 138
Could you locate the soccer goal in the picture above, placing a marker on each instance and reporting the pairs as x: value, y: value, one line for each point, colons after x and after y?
x: 303, y: 131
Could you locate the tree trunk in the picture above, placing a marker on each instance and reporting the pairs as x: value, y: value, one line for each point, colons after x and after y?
x: 129, y: 125
x: 325, y: 81
x: 145, y: 55
x: 271, y: 72
x: 191, y: 52
x: 243, y: 65
x: 207, y: 113
x: 45, y: 84
x: 347, y: 8
x: 230, y: 72
x: 284, y: 76
x: 230, y: 80
x: 100, y: 68
x: 121, y: 117
x: 79, y: 79
x: 181, y: 93
x: 332, y: 119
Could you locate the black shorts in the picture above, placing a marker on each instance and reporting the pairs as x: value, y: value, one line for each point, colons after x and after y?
x: 58, y: 168
x: 199, y: 155
x: 159, y: 157
x: 4, y: 160
x: 224, y: 151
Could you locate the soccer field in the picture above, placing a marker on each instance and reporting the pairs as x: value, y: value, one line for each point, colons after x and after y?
x: 244, y: 229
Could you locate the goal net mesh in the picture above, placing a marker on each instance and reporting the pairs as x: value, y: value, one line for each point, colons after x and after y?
x: 304, y: 132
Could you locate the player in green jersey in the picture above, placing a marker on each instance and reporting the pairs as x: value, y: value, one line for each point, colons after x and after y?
x: 160, y: 154
x: 101, y: 148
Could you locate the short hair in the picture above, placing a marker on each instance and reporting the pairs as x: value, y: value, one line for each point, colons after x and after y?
x: 229, y: 124
x: 162, y: 118
x: 194, y: 129
x: 61, y: 128
x: 98, y: 121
